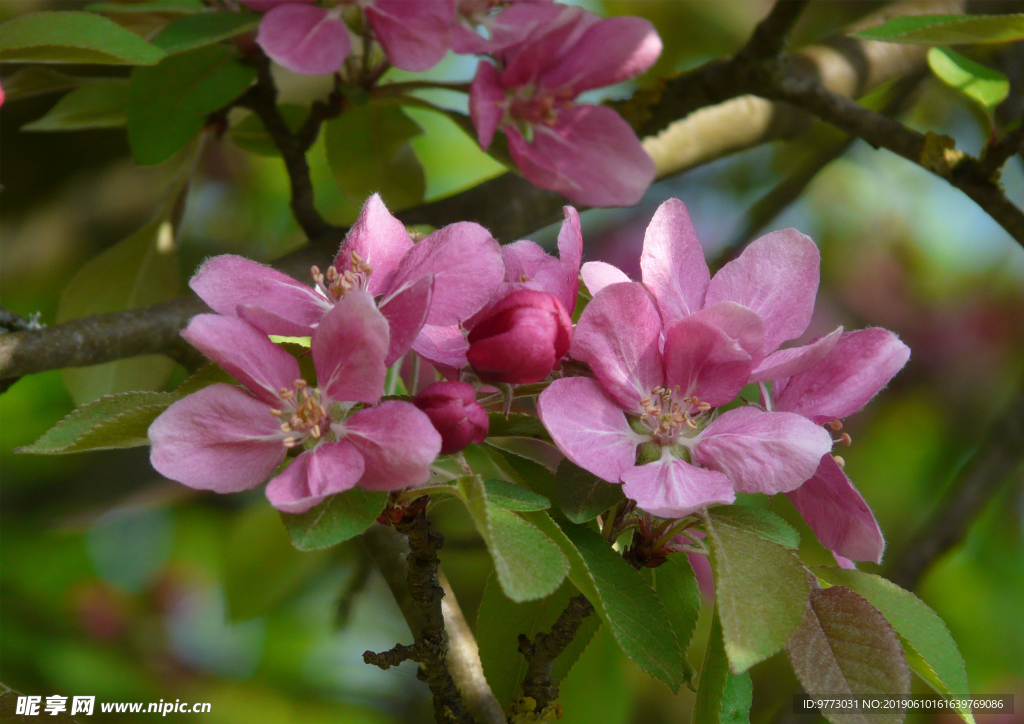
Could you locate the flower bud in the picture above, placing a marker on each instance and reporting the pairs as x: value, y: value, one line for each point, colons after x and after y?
x: 521, y: 339
x: 455, y: 413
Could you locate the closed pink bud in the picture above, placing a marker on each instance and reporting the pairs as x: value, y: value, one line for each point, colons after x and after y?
x: 521, y: 339
x: 456, y: 414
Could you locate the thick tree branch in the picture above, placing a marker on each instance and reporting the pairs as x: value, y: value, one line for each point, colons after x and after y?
x: 545, y: 648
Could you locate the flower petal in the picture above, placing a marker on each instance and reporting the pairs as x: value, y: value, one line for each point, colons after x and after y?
x: 672, y: 263
x: 245, y: 352
x: 398, y: 444
x: 859, y: 365
x: 762, y: 452
x: 262, y: 6
x: 672, y: 488
x: 570, y: 254
x: 609, y: 52
x: 220, y: 438
x: 838, y: 515
x: 486, y: 103
x: 349, y: 348
x: 442, y: 346
x: 588, y: 427
x: 740, y: 324
x: 406, y: 311
x: 527, y: 266
x: 414, y: 35
x: 704, y: 361
x: 618, y: 336
x: 777, y: 277
x: 599, y: 274
x: 304, y: 39
x: 327, y: 469
x: 788, y: 362
x: 552, y: 40
x: 380, y: 240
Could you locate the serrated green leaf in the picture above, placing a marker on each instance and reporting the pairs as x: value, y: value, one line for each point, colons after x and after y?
x: 336, y: 520
x: 932, y: 653
x: 158, y: 7
x: 168, y: 103
x: 676, y: 586
x: 73, y: 37
x: 517, y: 425
x: 528, y: 564
x: 984, y: 85
x: 202, y: 29
x: 762, y: 523
x: 100, y: 104
x: 949, y: 29
x: 251, y: 135
x: 760, y: 592
x: 205, y: 376
x: 501, y: 620
x: 490, y: 462
x: 368, y: 151
x: 581, y: 495
x: 845, y: 649
x: 722, y: 697
x: 514, y: 497
x: 35, y: 80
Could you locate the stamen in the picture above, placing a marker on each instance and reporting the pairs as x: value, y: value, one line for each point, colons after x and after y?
x: 290, y: 442
x: 524, y: 278
x: 839, y: 461
x: 836, y: 425
x: 846, y: 439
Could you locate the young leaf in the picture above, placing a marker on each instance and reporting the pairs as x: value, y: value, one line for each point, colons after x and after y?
x: 501, y: 620
x: 528, y: 564
x: 581, y: 495
x: 336, y: 520
x: 948, y: 29
x: 760, y: 593
x: 676, y: 586
x: 35, y: 80
x: 99, y: 104
x: 73, y: 37
x: 980, y: 83
x: 250, y: 133
x: 760, y: 522
x: 205, y: 376
x: 517, y: 425
x: 201, y: 29
x: 722, y: 697
x: 168, y: 103
x: 845, y: 649
x: 514, y: 497
x: 368, y: 151
x: 931, y: 650
x: 161, y: 7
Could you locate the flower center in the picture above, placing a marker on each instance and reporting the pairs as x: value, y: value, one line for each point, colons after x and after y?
x: 335, y: 285
x: 302, y: 414
x: 526, y: 104
x: 668, y: 419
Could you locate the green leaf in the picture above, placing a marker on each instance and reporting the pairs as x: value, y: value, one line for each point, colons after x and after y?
x: 501, y: 620
x: 949, y: 29
x: 760, y: 522
x: 164, y: 7
x: 100, y: 104
x: 73, y: 37
x: 514, y: 497
x: 722, y: 697
x: 528, y: 564
x: 202, y: 29
x: 845, y: 649
x: 982, y: 84
x: 623, y: 599
x: 35, y: 80
x: 517, y: 425
x: 491, y: 462
x: 676, y: 586
x: 112, y: 421
x: 204, y: 377
x: 261, y: 566
x: 931, y: 650
x: 368, y: 151
x: 760, y: 590
x: 251, y: 135
x: 336, y: 520
x: 581, y: 495
x: 168, y: 104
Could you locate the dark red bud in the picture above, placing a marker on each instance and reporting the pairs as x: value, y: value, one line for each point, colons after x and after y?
x: 521, y: 339
x: 455, y: 413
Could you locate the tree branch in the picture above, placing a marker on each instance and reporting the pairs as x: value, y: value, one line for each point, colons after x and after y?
x: 769, y: 37
x: 545, y: 648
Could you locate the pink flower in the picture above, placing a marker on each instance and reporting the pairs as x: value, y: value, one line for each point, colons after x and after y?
x: 586, y: 152
x: 227, y: 438
x: 415, y: 34
x: 507, y: 23
x: 455, y: 413
x: 439, y: 282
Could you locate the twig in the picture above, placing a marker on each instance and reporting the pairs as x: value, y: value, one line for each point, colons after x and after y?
x: 545, y: 648
x: 998, y: 154
x: 769, y: 37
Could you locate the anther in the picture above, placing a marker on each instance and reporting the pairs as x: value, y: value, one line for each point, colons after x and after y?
x: 290, y: 442
x: 836, y: 425
x: 524, y: 278
x: 276, y: 413
x: 285, y: 427
x: 839, y: 461
x: 846, y: 439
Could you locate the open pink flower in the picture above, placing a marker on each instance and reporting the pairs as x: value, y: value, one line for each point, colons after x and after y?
x: 436, y: 283
x: 648, y: 419
x: 415, y: 34
x: 586, y: 152
x: 227, y: 438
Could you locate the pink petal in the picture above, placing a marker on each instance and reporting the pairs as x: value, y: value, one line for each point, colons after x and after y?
x: 672, y: 263
x: 787, y: 362
x: 262, y: 6
x: 740, y: 324
x: 220, y: 438
x: 588, y: 427
x: 762, y: 452
x: 599, y: 274
x: 465, y: 261
x: 777, y: 277
x: 245, y: 352
x: 672, y: 488
x: 506, y: 29
x: 329, y: 468
x: 611, y: 51
x: 398, y: 444
x: 228, y: 282
x: 838, y: 515
x: 859, y: 365
x: 406, y: 311
x: 304, y: 39
x: 549, y: 43
x: 704, y: 361
x: 618, y: 336
x: 443, y: 346
x: 844, y: 562
x: 527, y: 266
x: 570, y: 254
x: 414, y: 35
x: 486, y: 103
x: 591, y: 155
x: 349, y: 348
x: 380, y: 240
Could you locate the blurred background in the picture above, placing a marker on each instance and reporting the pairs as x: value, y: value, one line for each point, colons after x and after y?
x: 119, y: 584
